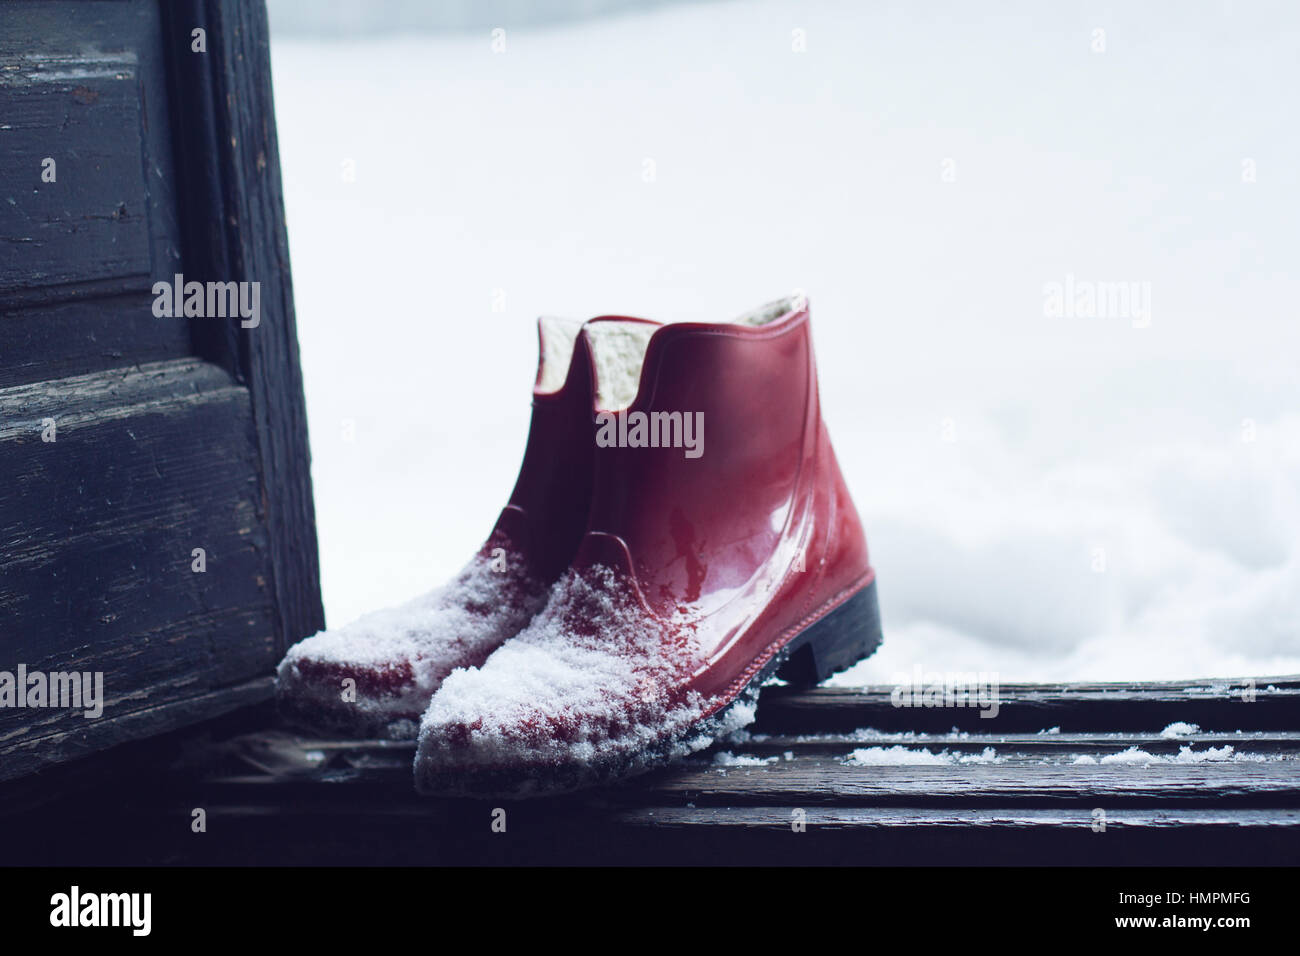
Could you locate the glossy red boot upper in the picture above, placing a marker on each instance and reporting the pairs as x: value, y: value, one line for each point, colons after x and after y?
x: 544, y: 520
x: 757, y: 534
x: 703, y: 558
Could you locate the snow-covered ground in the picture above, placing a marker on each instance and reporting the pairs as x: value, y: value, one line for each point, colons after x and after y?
x: 1046, y: 497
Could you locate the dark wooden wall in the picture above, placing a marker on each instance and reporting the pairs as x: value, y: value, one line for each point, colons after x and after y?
x: 171, y: 434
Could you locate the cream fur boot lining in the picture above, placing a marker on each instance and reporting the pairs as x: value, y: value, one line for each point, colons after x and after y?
x: 618, y: 349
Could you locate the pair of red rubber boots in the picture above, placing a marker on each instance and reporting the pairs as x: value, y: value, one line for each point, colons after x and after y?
x: 679, y: 533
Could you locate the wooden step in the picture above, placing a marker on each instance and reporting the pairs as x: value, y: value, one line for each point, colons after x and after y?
x: 1100, y: 778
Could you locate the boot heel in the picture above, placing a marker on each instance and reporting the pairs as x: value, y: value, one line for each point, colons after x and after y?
x: 846, y: 635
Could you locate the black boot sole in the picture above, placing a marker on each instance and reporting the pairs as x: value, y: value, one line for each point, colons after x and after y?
x: 842, y: 638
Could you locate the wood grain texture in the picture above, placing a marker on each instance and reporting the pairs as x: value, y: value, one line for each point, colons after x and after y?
x: 279, y: 797
x: 83, y: 84
x: 91, y: 222
x: 382, y: 769
x: 234, y: 211
x: 778, y: 818
x: 76, y: 337
x: 159, y: 714
x: 97, y: 533
x: 172, y: 434
x: 824, y: 781
x: 1214, y: 704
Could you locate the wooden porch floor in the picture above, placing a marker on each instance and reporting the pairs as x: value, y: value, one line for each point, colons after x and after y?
x: 1068, y: 774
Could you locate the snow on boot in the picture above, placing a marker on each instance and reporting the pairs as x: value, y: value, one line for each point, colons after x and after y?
x: 722, y: 549
x: 375, y: 675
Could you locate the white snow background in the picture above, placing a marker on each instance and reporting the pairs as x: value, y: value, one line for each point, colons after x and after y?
x: 1045, y: 498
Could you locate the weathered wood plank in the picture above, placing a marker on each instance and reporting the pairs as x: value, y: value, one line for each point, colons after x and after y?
x: 376, y: 775
x: 235, y: 230
x: 1036, y: 746
x: 80, y: 84
x: 112, y: 393
x: 780, y: 818
x: 97, y: 536
x: 774, y: 745
x: 814, y: 782
x: 84, y: 85
x: 818, y: 780
x: 1226, y: 705
x: 278, y: 797
x: 162, y: 712
x: 146, y: 833
x: 73, y: 338
x: 77, y: 117
x: 362, y: 796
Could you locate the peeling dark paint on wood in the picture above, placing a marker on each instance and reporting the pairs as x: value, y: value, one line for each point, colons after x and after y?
x: 171, y: 434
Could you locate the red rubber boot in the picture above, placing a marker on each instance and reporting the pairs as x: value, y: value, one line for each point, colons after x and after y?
x: 722, y: 548
x: 396, y: 658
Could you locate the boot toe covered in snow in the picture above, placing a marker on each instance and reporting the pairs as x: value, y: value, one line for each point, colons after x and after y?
x: 594, y: 689
x: 376, y: 675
